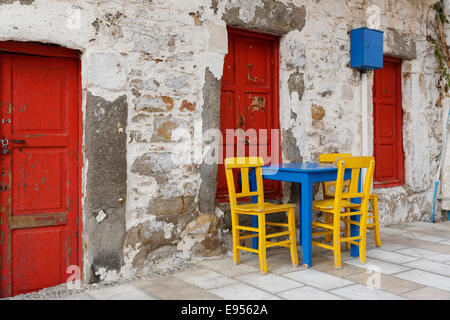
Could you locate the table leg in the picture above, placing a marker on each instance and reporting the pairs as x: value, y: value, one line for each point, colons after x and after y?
x: 306, y: 222
x: 299, y: 213
x: 354, y: 231
x: 252, y: 186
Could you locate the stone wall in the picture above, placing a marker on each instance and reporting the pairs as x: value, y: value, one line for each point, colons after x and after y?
x: 151, y: 72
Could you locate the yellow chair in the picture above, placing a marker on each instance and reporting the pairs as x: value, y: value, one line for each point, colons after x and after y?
x: 342, y: 201
x: 373, y: 198
x: 328, y: 189
x: 259, y: 209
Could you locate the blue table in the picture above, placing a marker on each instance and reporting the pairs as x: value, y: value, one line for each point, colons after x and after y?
x: 305, y: 174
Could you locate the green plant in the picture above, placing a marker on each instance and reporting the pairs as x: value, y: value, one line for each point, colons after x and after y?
x: 438, y: 8
x: 440, y: 47
x: 441, y: 61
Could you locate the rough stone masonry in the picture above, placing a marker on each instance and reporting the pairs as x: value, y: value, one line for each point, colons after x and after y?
x: 151, y: 68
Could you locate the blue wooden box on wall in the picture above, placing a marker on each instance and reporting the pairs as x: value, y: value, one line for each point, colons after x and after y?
x: 366, y: 49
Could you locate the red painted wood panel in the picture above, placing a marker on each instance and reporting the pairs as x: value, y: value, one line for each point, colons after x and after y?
x: 40, y: 209
x: 32, y: 271
x: 249, y: 101
x: 387, y: 120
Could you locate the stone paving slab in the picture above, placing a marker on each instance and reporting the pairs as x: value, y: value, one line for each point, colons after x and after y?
x: 172, y: 288
x: 393, y: 257
x: 81, y: 296
x: 384, y: 282
x: 425, y: 254
x: 271, y: 282
x: 241, y: 291
x: 426, y: 278
x: 427, y: 293
x: 327, y: 265
x: 205, y: 279
x: 308, y: 293
x: 379, y: 265
x: 318, y: 279
x: 120, y: 292
x: 422, y: 244
x: 430, y: 266
x: 361, y: 292
x: 392, y: 246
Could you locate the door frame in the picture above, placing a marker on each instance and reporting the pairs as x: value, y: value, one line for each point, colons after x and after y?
x: 275, y: 94
x: 399, y: 127
x: 45, y: 50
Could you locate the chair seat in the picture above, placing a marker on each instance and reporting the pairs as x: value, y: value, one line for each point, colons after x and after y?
x: 267, y: 208
x: 328, y: 204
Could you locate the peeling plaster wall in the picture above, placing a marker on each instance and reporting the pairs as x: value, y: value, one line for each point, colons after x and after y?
x: 162, y: 61
x: 445, y: 171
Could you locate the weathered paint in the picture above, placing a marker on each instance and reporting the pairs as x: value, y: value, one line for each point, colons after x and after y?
x: 106, y: 182
x: 42, y: 192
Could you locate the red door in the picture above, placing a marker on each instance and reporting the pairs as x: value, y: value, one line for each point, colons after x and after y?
x: 249, y: 101
x: 39, y: 173
x: 387, y: 120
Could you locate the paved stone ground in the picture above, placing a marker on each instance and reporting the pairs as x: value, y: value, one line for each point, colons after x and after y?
x: 412, y: 263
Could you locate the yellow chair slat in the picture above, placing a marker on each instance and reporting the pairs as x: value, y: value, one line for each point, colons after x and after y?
x: 322, y: 225
x: 248, y: 236
x: 278, y: 234
x: 329, y: 204
x: 247, y: 228
x: 277, y: 224
x: 247, y: 249
x: 265, y: 207
x: 279, y: 243
x: 322, y: 245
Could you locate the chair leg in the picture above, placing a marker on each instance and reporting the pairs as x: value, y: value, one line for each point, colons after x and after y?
x: 234, y: 224
x: 363, y: 236
x: 327, y: 220
x: 291, y: 223
x: 376, y: 221
x: 337, y: 240
x: 262, y: 243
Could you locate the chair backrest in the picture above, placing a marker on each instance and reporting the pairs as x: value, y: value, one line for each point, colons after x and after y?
x: 355, y: 164
x: 331, y: 158
x: 244, y: 164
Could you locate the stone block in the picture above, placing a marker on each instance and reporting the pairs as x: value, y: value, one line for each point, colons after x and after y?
x: 204, y: 224
x: 176, y: 205
x: 163, y: 128
x: 106, y: 71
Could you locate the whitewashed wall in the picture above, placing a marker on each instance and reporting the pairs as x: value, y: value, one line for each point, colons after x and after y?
x: 157, y: 52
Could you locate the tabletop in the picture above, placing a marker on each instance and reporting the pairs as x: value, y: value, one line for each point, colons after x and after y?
x: 302, y: 166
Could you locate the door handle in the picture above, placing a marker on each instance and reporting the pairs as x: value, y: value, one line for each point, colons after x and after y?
x: 18, y: 141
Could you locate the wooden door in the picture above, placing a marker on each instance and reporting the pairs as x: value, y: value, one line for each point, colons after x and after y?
x: 387, y: 122
x: 249, y: 101
x: 39, y: 173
